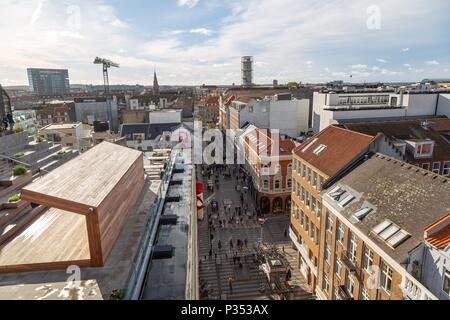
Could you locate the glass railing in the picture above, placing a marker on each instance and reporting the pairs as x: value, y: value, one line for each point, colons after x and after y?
x: 143, y: 255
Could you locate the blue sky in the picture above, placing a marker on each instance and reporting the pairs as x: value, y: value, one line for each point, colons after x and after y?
x: 200, y: 41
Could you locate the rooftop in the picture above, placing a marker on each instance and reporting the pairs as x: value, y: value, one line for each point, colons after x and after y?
x: 262, y: 142
x: 438, y: 234
x: 62, y: 126
x: 337, y: 147
x: 88, y: 179
x: 398, y: 193
x: 437, y: 130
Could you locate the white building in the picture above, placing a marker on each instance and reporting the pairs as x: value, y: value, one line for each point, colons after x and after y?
x: 165, y: 116
x: 280, y: 112
x: 430, y: 262
x: 335, y: 107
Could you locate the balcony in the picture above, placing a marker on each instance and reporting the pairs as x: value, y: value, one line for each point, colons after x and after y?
x: 348, y: 263
x: 343, y: 293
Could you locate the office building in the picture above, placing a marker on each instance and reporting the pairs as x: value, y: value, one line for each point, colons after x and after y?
x: 48, y: 82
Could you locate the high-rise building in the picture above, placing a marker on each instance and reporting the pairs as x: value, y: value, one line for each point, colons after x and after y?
x: 48, y: 82
x: 247, y: 71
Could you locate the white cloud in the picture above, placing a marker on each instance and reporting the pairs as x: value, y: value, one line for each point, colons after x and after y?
x: 359, y: 66
x: 406, y: 49
x: 432, y: 63
x: 187, y: 3
x: 203, y: 31
x: 37, y: 12
x: 309, y: 64
x: 407, y: 65
x: 382, y: 60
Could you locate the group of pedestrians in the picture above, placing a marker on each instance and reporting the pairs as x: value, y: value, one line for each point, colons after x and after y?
x: 8, y: 121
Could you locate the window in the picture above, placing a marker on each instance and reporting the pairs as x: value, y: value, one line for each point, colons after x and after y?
x: 313, y: 204
x: 319, y: 149
x: 352, y: 248
x: 315, y: 180
x: 446, y: 171
x: 424, y: 149
x: 277, y: 185
x: 302, y: 197
x: 302, y: 218
x: 250, y: 109
x: 308, y: 199
x: 340, y: 232
x: 386, y: 278
x: 266, y: 184
x: 350, y: 284
x: 437, y: 167
x: 327, y: 255
x: 329, y: 224
x: 312, y: 229
x: 317, y: 236
x: 426, y: 166
x: 338, y: 267
x: 309, y: 171
x: 306, y: 223
x: 326, y: 284
x: 289, y: 183
x: 321, y: 180
x: 446, y: 286
x: 368, y: 259
x: 309, y: 145
x: 289, y: 169
x: 303, y: 169
x: 319, y: 209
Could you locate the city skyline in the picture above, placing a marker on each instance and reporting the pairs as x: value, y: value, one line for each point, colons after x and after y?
x: 191, y: 42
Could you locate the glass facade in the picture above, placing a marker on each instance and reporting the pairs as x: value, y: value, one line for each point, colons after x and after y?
x: 48, y: 82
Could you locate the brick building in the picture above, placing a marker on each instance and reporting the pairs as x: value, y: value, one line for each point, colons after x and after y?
x: 268, y: 162
x: 373, y: 220
x: 424, y: 143
x: 317, y: 162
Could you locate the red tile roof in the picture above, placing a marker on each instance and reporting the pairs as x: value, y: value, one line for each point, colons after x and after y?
x: 440, y: 239
x: 261, y: 140
x: 341, y: 147
x: 212, y: 100
x: 245, y: 99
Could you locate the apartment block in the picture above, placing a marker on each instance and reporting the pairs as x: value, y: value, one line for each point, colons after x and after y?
x: 268, y: 161
x: 316, y: 162
x: 373, y: 223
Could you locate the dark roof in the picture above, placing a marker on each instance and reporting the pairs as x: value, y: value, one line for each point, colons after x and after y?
x: 342, y: 147
x: 151, y: 130
x: 411, y: 130
x: 410, y: 197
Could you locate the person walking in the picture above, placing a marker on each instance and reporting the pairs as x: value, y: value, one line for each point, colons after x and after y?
x: 285, y: 233
x: 230, y: 284
x: 210, y: 254
x: 219, y: 245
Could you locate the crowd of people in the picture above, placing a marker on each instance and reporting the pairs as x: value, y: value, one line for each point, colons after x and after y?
x: 8, y: 122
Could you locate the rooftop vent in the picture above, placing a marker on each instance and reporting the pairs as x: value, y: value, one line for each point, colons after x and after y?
x: 168, y: 220
x: 362, y: 213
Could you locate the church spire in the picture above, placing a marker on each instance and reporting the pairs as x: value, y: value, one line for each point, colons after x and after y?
x: 155, y: 84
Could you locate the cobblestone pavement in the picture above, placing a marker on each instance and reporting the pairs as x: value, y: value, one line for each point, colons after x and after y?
x: 248, y: 283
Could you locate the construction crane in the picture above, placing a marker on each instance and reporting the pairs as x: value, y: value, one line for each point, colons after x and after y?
x: 106, y: 65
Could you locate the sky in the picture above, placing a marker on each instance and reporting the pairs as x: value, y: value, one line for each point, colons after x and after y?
x: 194, y: 42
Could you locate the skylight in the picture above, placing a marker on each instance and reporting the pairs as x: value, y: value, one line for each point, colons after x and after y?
x: 398, y: 238
x: 309, y: 145
x: 319, y: 149
x: 349, y: 198
x: 392, y: 234
x: 362, y: 213
x: 336, y: 195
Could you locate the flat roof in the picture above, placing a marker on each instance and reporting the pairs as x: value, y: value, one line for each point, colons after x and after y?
x: 55, y: 236
x: 62, y: 126
x: 89, y: 178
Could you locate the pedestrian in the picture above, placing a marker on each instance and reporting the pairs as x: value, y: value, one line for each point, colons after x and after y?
x: 285, y: 233
x: 231, y: 243
x: 219, y: 245
x: 210, y: 254
x: 246, y: 243
x: 230, y: 284
x: 234, y: 260
x: 215, y: 256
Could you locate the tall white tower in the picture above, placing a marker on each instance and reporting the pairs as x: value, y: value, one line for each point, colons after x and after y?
x: 247, y: 71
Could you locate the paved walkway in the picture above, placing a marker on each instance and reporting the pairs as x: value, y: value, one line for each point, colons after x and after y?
x: 249, y: 283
